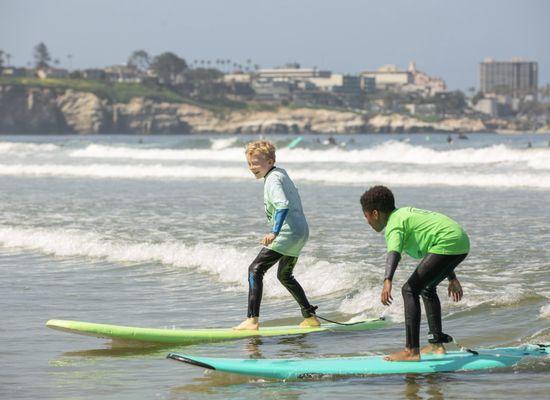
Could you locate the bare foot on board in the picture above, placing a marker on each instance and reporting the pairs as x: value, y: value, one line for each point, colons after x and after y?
x: 433, y: 349
x: 249, y: 324
x: 404, y: 355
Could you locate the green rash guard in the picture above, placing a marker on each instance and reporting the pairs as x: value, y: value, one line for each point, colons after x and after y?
x: 280, y: 193
x: 419, y: 232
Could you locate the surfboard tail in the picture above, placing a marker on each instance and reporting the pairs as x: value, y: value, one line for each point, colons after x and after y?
x: 189, y: 360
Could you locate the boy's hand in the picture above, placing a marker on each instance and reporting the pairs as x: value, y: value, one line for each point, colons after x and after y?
x: 270, y: 237
x: 385, y: 297
x: 455, y: 289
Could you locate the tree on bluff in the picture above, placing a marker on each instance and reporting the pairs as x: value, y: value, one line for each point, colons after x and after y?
x: 139, y: 59
x: 41, y: 56
x: 168, y: 66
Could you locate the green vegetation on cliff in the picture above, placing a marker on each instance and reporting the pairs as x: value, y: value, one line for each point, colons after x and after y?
x: 116, y: 92
x: 124, y: 92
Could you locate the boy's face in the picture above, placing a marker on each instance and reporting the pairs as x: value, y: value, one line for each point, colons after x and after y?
x: 375, y: 220
x: 259, y: 164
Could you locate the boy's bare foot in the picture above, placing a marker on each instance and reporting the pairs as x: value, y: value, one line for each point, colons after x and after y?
x: 310, y: 322
x: 404, y: 355
x: 249, y: 324
x: 433, y: 349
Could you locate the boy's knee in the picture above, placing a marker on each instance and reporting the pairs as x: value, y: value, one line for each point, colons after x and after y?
x: 255, y: 270
x: 428, y: 293
x: 284, y: 276
x: 408, y: 290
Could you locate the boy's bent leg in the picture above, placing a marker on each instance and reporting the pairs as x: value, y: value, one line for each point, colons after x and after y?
x: 265, y: 259
x: 411, y: 302
x: 441, y: 266
x: 286, y: 277
x: 411, y: 293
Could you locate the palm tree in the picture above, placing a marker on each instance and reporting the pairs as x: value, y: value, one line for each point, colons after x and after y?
x: 70, y: 58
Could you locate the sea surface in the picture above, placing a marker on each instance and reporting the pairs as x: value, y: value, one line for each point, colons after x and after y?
x: 158, y: 231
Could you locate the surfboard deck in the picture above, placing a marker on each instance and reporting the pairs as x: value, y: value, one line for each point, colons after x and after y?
x: 191, y: 336
x: 369, y: 365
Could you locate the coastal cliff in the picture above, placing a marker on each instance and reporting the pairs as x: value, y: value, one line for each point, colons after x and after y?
x: 43, y: 110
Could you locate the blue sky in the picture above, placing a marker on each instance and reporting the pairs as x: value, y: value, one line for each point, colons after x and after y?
x: 445, y: 38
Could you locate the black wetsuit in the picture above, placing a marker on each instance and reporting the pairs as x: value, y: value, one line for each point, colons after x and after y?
x: 423, y: 282
x: 265, y: 260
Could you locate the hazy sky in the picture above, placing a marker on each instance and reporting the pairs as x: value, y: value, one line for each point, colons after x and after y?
x: 445, y: 38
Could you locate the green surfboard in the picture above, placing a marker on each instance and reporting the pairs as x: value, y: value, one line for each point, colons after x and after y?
x: 191, y: 336
x: 370, y: 365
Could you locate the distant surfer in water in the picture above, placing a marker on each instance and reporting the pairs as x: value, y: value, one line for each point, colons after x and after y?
x: 289, y: 234
x: 440, y: 242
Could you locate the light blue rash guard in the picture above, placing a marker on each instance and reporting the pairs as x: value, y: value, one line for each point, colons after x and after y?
x: 281, y: 194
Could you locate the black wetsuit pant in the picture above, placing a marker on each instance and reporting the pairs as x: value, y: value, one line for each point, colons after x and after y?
x: 423, y: 282
x: 265, y: 260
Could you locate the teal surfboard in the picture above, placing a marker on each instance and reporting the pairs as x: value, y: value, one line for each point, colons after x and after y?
x: 295, y: 142
x: 190, y: 336
x: 370, y: 365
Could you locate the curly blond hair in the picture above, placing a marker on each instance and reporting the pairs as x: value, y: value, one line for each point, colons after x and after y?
x: 264, y: 147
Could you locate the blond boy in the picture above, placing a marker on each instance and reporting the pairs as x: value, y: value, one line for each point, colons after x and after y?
x: 289, y: 234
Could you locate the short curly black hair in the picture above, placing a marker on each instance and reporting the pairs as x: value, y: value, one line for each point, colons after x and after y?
x: 378, y: 198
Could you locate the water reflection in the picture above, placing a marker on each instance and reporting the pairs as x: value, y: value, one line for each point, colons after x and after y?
x: 430, y: 384
x: 296, y: 346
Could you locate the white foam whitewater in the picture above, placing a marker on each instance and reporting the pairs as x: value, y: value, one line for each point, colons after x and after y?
x: 350, y: 176
x: 388, y: 152
x: 228, y: 264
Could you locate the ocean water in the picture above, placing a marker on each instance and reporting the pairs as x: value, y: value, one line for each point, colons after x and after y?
x: 158, y: 231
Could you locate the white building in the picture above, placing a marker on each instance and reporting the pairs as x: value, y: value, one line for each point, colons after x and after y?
x: 388, y: 76
x: 122, y: 73
x: 291, y: 74
x: 237, y: 78
x: 59, y: 73
x: 487, y: 106
x: 411, y: 80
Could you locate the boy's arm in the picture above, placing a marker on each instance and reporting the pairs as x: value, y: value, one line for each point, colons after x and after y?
x: 280, y: 202
x: 280, y: 215
x: 392, y: 260
x: 394, y: 241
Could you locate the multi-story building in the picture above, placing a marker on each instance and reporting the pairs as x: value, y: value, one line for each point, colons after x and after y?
x: 271, y: 90
x: 338, y: 83
x: 517, y: 78
x: 122, y: 73
x: 388, y: 76
x: 291, y: 74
